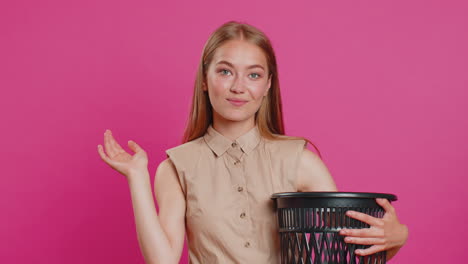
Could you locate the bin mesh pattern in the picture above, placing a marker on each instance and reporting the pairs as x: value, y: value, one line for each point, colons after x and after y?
x: 310, y: 235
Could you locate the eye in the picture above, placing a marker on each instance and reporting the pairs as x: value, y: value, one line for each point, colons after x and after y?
x: 257, y: 75
x: 222, y: 71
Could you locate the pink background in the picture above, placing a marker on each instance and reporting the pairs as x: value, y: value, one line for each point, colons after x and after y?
x: 379, y: 86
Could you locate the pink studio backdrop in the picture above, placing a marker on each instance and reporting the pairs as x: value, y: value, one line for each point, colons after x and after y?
x: 379, y: 86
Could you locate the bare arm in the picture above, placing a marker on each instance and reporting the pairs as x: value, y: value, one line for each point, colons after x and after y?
x: 153, y: 242
x: 385, y: 234
x: 172, y: 206
x: 313, y: 175
x: 161, y: 238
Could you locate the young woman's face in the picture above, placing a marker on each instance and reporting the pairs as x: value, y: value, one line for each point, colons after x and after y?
x: 237, y: 80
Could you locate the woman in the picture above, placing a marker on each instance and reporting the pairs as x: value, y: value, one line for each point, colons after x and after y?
x: 217, y: 185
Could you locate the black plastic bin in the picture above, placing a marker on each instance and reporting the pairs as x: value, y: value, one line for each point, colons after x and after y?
x: 309, y: 225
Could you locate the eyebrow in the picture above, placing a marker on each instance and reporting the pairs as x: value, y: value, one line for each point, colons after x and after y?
x: 250, y: 67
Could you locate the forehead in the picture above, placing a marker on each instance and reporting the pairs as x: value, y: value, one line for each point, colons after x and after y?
x: 240, y: 53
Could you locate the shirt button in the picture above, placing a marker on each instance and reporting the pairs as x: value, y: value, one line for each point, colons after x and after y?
x: 242, y: 215
x: 234, y: 144
x: 247, y: 244
x: 236, y: 162
x: 240, y: 189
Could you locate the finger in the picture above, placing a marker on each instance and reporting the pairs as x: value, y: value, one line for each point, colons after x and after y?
x: 103, y: 155
x: 364, y: 218
x: 386, y: 205
x: 365, y: 240
x: 108, y: 145
x: 368, y: 251
x: 362, y: 232
x: 134, y: 146
x: 115, y: 145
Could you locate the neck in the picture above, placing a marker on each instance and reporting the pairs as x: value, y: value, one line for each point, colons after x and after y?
x: 232, y: 129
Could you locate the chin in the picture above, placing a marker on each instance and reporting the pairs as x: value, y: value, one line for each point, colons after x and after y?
x: 235, y: 117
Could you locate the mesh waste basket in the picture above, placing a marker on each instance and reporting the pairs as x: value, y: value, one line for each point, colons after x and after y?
x: 309, y: 225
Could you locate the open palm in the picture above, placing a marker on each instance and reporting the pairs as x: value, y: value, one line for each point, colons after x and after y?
x: 119, y: 159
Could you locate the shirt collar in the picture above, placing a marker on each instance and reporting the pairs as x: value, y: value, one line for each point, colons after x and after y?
x: 220, y: 144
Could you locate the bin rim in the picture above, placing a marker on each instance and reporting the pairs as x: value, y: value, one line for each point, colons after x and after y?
x: 388, y: 196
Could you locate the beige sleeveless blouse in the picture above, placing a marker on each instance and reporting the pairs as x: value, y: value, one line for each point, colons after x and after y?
x: 230, y: 217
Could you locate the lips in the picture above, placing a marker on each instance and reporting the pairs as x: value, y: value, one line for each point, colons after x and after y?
x: 236, y: 102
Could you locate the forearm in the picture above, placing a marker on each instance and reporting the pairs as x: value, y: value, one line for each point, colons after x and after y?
x: 154, y: 244
x: 392, y: 252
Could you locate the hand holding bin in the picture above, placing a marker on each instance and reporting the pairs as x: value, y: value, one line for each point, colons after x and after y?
x: 309, y: 225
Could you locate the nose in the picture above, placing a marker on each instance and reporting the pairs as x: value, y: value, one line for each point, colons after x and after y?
x: 237, y: 86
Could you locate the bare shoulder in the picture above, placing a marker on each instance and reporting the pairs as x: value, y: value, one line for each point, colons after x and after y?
x: 166, y: 166
x: 166, y: 182
x: 166, y: 173
x: 313, y: 174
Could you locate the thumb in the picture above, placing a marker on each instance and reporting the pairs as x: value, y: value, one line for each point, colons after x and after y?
x: 385, y: 204
x: 134, y: 146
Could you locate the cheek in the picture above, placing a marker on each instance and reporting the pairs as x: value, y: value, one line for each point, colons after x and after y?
x: 219, y: 87
x: 257, y: 91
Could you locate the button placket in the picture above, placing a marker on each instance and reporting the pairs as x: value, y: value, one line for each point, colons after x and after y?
x: 235, y: 155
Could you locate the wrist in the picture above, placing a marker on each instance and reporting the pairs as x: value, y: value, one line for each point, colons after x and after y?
x: 392, y: 252
x: 138, y: 176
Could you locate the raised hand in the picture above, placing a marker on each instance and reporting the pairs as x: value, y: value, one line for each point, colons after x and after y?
x: 121, y: 161
x: 385, y: 233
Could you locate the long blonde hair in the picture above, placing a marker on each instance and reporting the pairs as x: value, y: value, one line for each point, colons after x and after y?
x: 269, y: 118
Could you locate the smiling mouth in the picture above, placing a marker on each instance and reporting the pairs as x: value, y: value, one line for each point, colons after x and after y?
x: 236, y: 102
